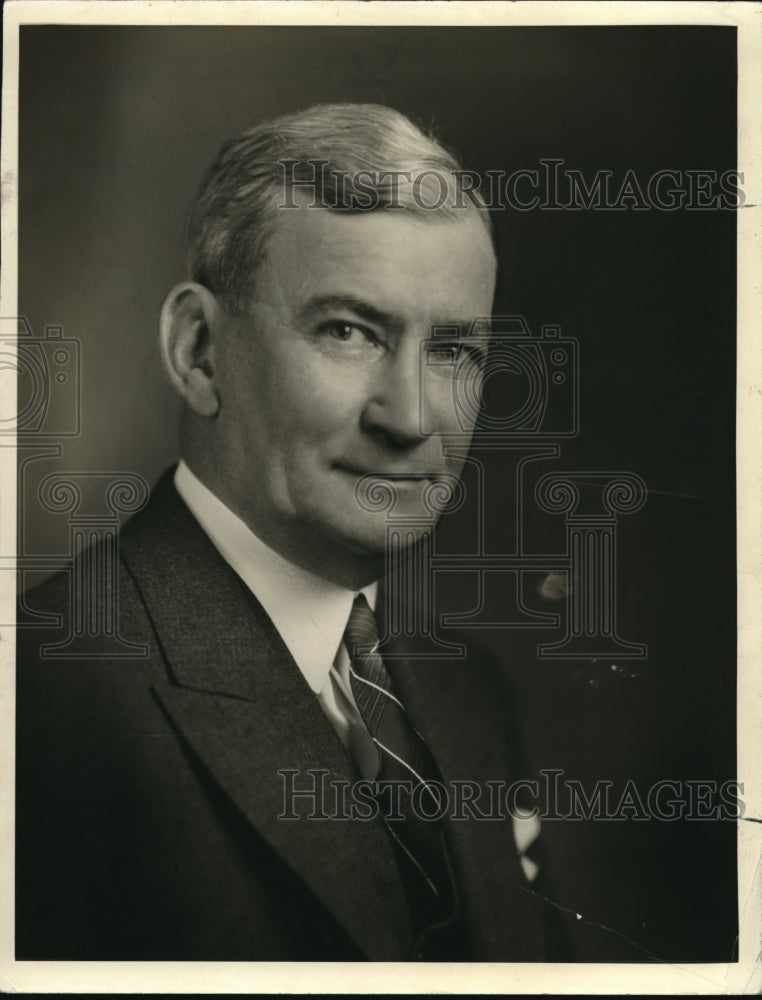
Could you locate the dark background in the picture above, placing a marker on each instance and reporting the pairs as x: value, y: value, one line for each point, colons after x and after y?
x: 116, y: 128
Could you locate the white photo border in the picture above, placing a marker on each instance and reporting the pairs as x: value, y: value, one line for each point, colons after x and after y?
x: 745, y: 976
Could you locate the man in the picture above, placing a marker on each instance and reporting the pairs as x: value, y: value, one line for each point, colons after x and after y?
x: 163, y: 802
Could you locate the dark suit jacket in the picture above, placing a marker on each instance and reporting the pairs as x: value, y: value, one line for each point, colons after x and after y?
x: 148, y: 791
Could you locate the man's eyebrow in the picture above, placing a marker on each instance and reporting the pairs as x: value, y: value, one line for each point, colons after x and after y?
x: 365, y: 310
x: 462, y: 329
x: 479, y: 327
x: 372, y: 314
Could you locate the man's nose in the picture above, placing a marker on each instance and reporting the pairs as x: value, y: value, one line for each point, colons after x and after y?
x: 405, y: 404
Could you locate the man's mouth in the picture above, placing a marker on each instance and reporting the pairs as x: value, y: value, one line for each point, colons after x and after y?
x: 391, y: 475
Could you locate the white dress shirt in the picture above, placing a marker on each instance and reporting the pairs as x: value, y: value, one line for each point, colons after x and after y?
x: 310, y: 613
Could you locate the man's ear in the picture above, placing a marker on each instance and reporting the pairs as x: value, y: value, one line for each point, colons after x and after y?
x: 189, y: 319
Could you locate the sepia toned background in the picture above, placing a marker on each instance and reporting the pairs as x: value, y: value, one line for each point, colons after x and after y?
x: 116, y: 128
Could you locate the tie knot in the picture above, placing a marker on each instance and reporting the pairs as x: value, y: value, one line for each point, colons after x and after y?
x: 361, y: 634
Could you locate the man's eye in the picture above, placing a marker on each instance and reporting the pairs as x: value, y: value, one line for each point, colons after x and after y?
x: 347, y: 331
x: 447, y: 354
x: 459, y: 353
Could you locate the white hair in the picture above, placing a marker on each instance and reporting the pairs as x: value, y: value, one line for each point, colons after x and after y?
x: 237, y: 205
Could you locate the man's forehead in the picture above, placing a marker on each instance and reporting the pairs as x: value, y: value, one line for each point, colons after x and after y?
x: 307, y: 225
x: 320, y: 253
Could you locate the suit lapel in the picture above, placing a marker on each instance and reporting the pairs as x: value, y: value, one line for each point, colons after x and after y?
x: 240, y: 703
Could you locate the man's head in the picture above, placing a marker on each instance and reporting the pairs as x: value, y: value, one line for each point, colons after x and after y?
x: 297, y: 345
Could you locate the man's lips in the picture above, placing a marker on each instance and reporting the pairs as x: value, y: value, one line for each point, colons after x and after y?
x: 378, y: 490
x: 393, y: 475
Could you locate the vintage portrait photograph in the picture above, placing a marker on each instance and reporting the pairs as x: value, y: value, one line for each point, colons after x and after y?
x: 380, y: 497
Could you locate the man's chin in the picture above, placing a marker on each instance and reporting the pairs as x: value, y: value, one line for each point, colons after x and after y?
x: 377, y: 536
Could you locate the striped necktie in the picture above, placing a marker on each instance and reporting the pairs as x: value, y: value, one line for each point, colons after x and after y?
x: 407, y: 768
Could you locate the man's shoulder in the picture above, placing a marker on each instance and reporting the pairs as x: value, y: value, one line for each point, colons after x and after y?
x: 106, y: 578
x: 84, y: 637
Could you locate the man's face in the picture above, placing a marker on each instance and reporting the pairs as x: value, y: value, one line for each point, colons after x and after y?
x: 320, y: 383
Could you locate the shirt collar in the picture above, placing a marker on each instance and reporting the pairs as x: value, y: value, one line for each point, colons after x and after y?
x: 309, y: 612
